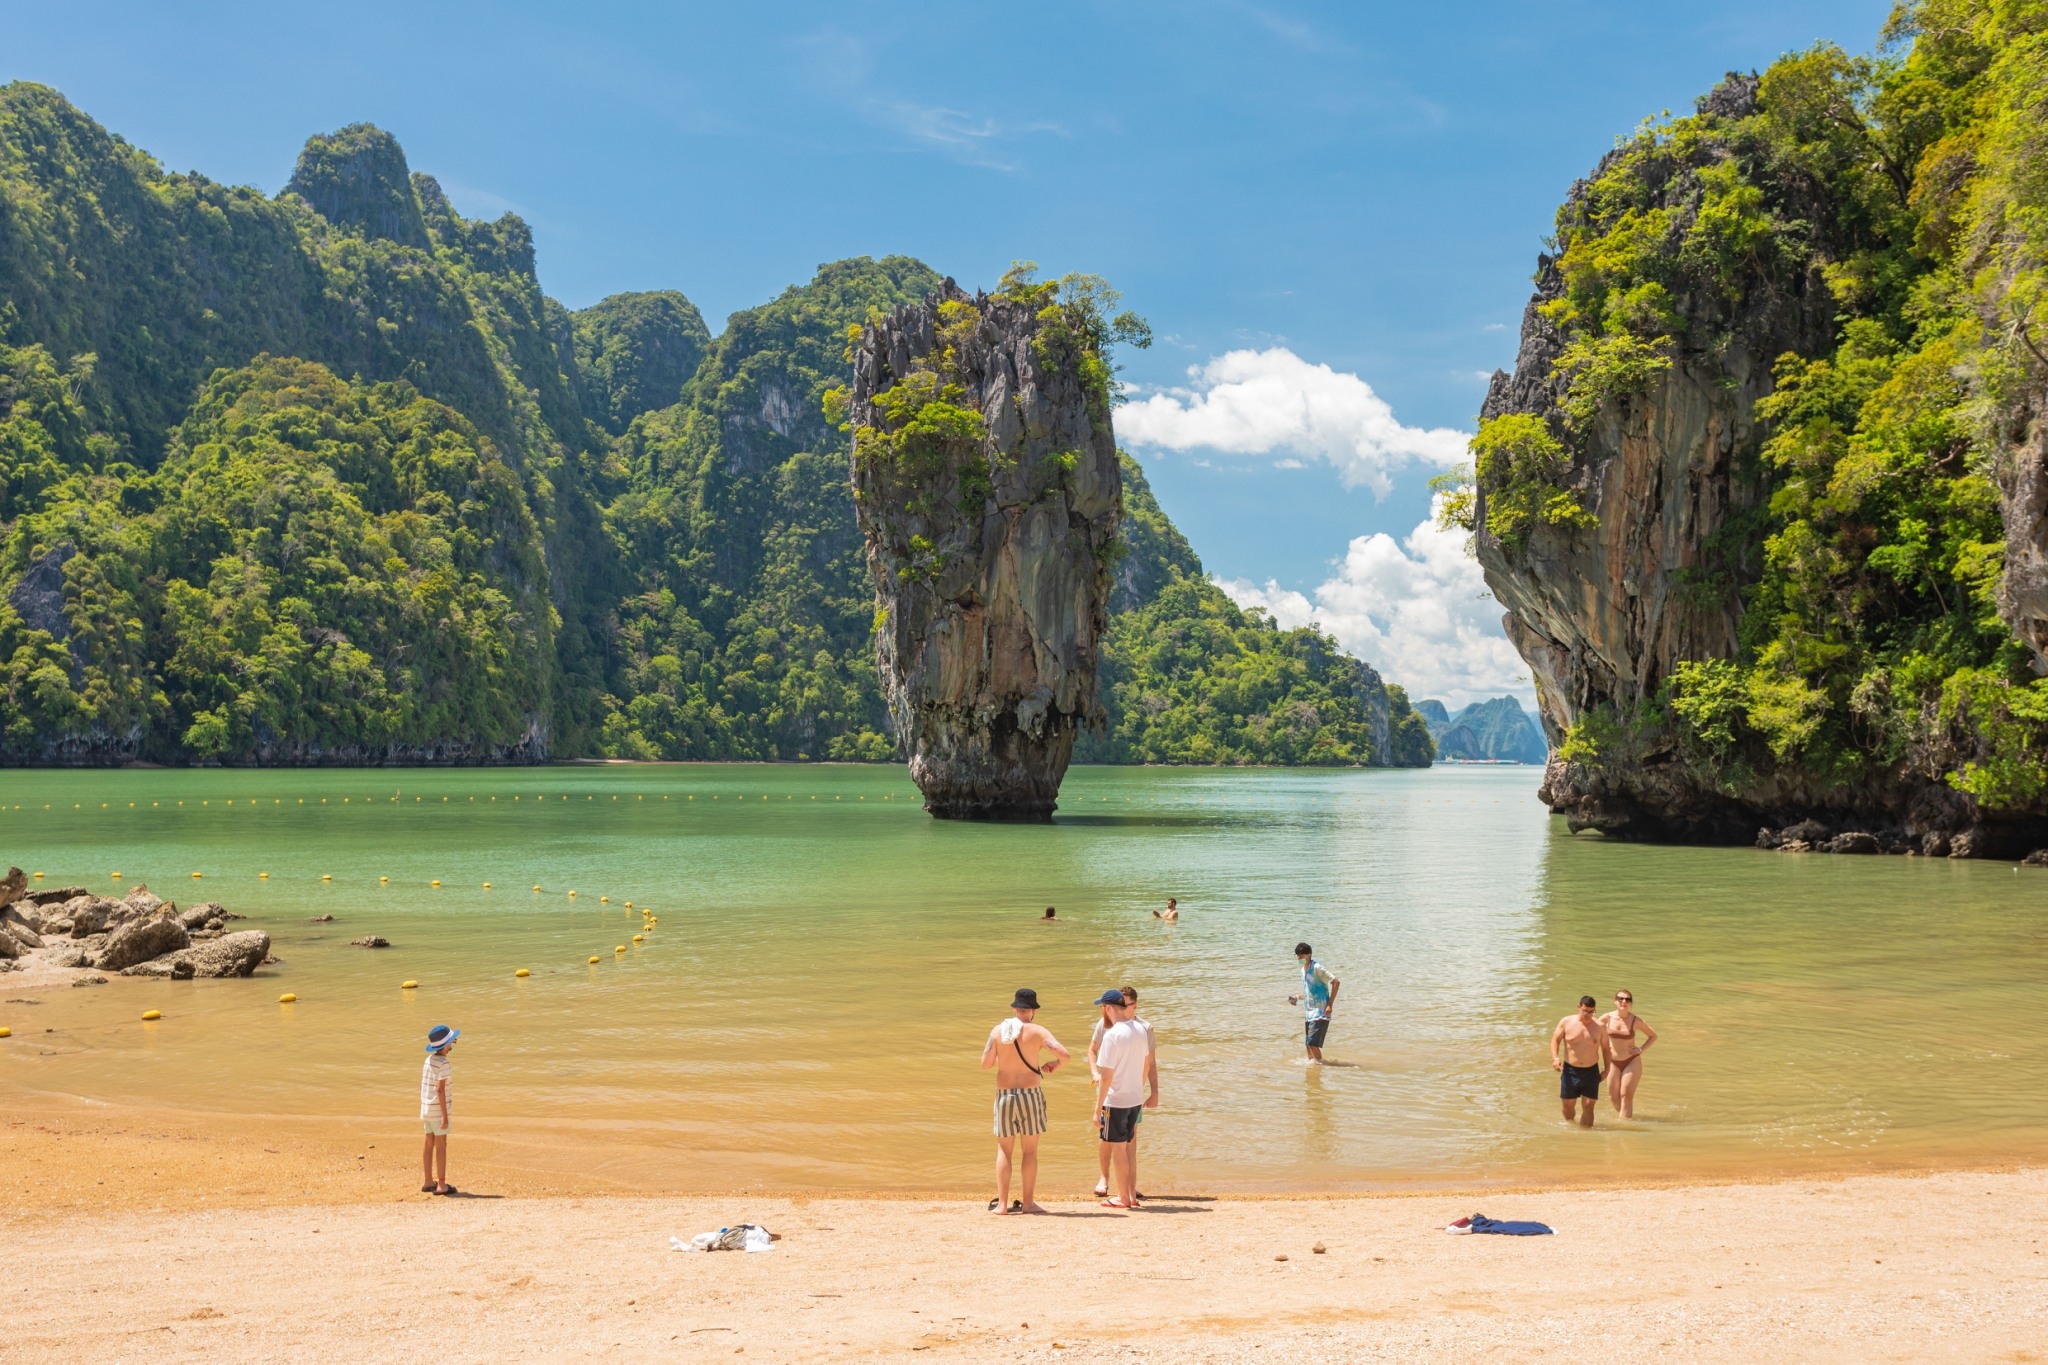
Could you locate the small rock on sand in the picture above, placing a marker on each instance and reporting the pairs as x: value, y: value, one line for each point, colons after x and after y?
x: 370, y: 941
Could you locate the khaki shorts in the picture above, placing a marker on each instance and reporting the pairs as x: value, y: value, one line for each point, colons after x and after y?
x: 433, y: 1125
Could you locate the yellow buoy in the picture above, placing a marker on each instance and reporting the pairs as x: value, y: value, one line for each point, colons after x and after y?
x: 593, y: 959
x: 383, y: 879
x: 326, y: 876
x: 487, y: 886
x: 6, y: 1032
x: 117, y: 876
x: 437, y: 883
x: 620, y: 949
x: 572, y: 895
x: 39, y: 876
x: 287, y: 998
x: 601, y: 900
x: 151, y: 1016
x: 536, y: 886
x: 629, y: 905
x: 195, y: 876
x: 637, y: 938
x: 522, y: 972
x: 263, y: 876
x: 408, y: 985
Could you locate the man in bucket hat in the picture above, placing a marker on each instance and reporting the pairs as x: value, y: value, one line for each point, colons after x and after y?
x: 1014, y: 1048
x: 435, y: 1080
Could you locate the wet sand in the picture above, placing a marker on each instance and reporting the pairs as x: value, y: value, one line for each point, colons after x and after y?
x: 175, y: 1239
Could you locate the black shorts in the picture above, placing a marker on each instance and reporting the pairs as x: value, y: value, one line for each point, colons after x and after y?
x: 1579, y: 1082
x: 1316, y: 1030
x: 1120, y: 1125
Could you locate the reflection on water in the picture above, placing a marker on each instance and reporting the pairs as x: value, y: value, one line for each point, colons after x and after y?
x: 810, y: 1010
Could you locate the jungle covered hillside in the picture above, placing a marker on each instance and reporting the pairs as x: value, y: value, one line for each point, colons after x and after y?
x: 1780, y: 404
x: 325, y: 477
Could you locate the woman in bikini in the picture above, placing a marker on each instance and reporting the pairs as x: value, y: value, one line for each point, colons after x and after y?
x: 1626, y: 1071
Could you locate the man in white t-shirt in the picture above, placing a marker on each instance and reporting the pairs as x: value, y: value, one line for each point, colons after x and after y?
x: 1121, y: 1091
x: 1102, y: 1026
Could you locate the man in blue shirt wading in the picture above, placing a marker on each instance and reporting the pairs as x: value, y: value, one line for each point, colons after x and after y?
x: 1318, y: 997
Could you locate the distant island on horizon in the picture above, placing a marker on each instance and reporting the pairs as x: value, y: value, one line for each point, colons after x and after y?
x: 1495, y: 731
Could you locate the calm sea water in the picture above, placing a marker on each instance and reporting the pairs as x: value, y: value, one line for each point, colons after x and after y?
x: 809, y: 1012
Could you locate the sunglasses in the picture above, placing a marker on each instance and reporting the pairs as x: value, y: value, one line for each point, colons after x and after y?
x: 1626, y: 999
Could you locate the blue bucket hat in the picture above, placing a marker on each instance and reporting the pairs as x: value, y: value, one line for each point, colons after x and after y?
x: 440, y: 1036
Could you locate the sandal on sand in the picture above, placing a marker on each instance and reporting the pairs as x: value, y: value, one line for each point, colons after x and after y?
x: 995, y: 1205
x: 446, y: 1189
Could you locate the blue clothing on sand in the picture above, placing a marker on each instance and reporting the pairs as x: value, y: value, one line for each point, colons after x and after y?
x: 1481, y: 1223
x: 1315, y: 991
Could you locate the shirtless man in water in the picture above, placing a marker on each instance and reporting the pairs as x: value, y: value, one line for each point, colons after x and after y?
x: 1585, y: 1048
x: 1014, y: 1049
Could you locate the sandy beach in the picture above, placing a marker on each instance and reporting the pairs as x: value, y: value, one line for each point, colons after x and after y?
x: 169, y: 1238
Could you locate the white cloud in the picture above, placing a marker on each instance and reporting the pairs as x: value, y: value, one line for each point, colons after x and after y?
x: 1263, y: 402
x: 1417, y: 610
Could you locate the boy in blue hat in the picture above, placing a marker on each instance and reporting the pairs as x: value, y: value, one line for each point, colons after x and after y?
x: 435, y: 1079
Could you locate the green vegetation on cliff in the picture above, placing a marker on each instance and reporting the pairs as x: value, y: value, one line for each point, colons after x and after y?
x: 1189, y: 677
x: 327, y: 478
x: 1892, y: 211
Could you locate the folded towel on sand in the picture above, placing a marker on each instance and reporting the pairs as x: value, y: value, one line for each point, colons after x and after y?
x: 739, y: 1237
x: 1479, y: 1222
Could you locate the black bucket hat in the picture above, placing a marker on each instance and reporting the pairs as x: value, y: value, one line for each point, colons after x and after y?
x: 1027, y: 999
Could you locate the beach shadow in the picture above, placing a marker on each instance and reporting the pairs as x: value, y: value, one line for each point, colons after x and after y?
x: 1342, y: 1066
x: 1153, y: 1206
x: 468, y: 1194
x: 1180, y: 1198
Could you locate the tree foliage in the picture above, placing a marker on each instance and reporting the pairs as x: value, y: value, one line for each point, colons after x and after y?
x: 326, y: 477
x: 1907, y: 185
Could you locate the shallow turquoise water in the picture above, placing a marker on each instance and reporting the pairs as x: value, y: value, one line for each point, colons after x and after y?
x: 828, y: 958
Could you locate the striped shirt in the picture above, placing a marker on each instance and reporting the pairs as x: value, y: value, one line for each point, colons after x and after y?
x: 436, y: 1072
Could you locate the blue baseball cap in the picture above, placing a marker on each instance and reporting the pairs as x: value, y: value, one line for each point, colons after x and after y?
x: 1111, y: 998
x: 440, y: 1035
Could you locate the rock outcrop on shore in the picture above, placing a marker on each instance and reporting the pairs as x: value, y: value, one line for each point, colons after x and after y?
x: 987, y: 488
x: 69, y: 928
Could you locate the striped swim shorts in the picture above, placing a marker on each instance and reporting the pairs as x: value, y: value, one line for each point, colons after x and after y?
x: 1020, y: 1113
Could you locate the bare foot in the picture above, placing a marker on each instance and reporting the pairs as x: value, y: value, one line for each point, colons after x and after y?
x: 995, y: 1206
x: 1032, y: 1208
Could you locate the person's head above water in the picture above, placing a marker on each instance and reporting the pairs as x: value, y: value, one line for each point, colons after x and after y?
x: 1049, y: 913
x: 1303, y: 950
x: 1025, y: 1001
x: 1171, y: 903
x: 1587, y: 1002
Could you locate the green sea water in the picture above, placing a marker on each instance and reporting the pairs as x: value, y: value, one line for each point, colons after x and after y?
x: 810, y: 1010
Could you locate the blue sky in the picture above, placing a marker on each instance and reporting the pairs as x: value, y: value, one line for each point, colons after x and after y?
x: 1331, y: 212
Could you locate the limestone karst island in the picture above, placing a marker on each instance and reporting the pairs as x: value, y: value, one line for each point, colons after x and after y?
x: 1077, y: 684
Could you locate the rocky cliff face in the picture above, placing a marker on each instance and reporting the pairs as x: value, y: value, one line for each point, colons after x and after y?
x: 987, y: 488
x: 1603, y: 614
x: 1745, y: 560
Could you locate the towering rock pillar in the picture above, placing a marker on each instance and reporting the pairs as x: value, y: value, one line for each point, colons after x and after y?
x: 986, y: 484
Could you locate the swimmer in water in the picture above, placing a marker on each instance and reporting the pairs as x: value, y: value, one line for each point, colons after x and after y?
x: 1171, y: 913
x: 1625, y: 1059
x: 1049, y: 913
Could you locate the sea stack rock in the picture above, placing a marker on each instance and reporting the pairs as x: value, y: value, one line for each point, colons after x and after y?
x: 986, y: 485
